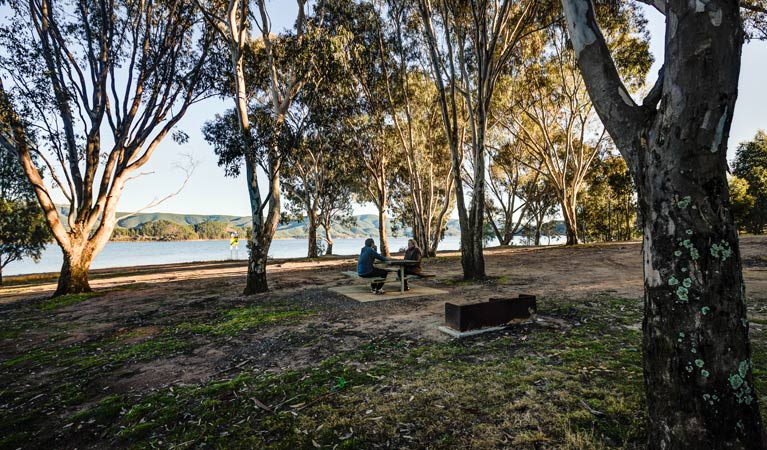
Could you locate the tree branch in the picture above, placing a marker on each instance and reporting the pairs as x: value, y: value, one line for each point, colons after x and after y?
x: 621, y: 116
x: 189, y: 167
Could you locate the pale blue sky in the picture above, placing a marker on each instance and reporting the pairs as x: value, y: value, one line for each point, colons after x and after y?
x: 209, y: 192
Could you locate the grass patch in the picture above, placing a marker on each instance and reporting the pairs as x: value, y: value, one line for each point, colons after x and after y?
x: 237, y: 320
x: 532, y: 386
x: 527, y: 388
x: 66, y: 300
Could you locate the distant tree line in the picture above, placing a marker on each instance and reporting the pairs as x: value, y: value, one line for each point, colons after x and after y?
x: 748, y: 185
x: 165, y: 230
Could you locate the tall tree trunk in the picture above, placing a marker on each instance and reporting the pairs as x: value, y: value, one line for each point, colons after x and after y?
x: 570, y: 218
x: 384, y: 250
x: 328, y: 240
x: 263, y: 227
x: 73, y: 278
x: 256, y: 280
x: 312, y: 232
x: 472, y: 257
x: 697, y: 357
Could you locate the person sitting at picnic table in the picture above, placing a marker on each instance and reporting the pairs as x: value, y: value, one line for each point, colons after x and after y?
x: 412, y: 253
x: 365, y: 267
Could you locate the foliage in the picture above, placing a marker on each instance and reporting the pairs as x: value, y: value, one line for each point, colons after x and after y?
x: 317, y: 174
x: 607, y: 209
x: 23, y: 231
x: 754, y: 15
x: 166, y: 231
x: 541, y: 201
x: 750, y: 165
x: 553, y: 115
x: 509, y: 176
x: 741, y: 202
x: 232, y: 148
x: 212, y: 230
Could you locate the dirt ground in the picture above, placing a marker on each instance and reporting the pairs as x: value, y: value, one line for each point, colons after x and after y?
x: 143, y: 300
x: 136, y: 294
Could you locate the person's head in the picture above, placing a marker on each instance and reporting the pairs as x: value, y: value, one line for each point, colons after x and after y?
x: 411, y: 243
x: 369, y: 242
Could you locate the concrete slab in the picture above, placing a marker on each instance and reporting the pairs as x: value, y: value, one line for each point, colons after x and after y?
x: 460, y: 334
x: 361, y: 292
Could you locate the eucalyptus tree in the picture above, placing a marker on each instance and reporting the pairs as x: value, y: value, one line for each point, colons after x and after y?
x: 279, y: 67
x: 318, y: 185
x: 425, y: 182
x: 423, y: 195
x: 335, y: 207
x: 98, y: 85
x: 317, y: 173
x: 555, y: 117
x: 540, y: 196
x: 370, y: 148
x: 506, y: 208
x: 607, y: 208
x: 750, y: 164
x: 364, y: 77
x: 741, y: 202
x: 23, y: 231
x: 478, y: 40
x: 698, y: 371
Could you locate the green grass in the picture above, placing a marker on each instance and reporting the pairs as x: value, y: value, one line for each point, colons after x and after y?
x: 66, y: 300
x: 235, y: 321
x: 569, y: 387
x: 523, y: 389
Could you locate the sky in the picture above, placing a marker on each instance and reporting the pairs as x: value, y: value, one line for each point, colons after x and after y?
x: 210, y: 192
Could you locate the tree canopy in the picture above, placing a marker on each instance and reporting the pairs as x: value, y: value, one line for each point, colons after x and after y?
x: 750, y: 166
x: 23, y: 231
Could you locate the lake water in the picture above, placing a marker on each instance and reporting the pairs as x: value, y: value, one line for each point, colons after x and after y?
x: 122, y: 254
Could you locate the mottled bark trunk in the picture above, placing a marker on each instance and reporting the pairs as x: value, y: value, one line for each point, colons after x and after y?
x: 256, y: 280
x: 260, y: 240
x: 697, y: 357
x: 263, y: 227
x: 73, y: 278
x: 472, y: 256
x: 571, y: 220
x: 328, y: 240
x: 384, y: 250
x: 312, y: 252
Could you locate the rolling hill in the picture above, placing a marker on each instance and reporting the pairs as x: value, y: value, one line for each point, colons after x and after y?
x: 367, y: 224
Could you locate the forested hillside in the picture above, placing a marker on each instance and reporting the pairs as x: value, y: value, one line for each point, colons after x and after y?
x: 169, y: 226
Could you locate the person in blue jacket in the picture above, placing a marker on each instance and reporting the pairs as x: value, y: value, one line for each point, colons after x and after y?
x: 365, y: 267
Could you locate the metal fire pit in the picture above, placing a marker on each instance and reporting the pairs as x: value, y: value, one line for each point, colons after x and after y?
x: 498, y: 311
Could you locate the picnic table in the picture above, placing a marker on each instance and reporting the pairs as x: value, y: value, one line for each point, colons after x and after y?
x: 399, y: 266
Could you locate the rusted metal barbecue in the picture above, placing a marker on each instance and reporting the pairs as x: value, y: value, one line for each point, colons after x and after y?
x: 498, y: 311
